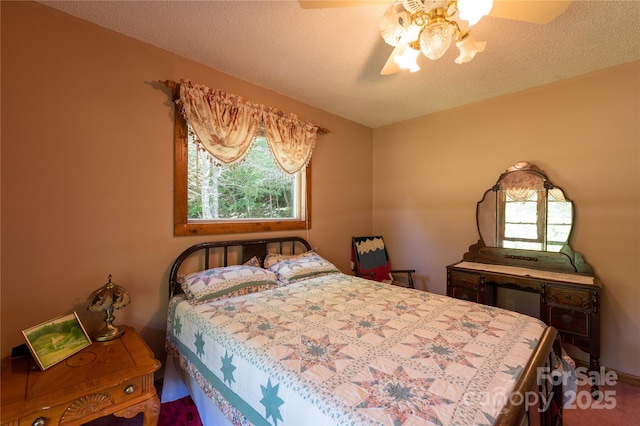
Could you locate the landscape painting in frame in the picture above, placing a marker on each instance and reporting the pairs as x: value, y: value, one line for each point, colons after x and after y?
x: 56, y: 340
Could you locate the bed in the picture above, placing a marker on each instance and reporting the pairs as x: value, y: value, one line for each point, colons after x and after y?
x: 268, y: 332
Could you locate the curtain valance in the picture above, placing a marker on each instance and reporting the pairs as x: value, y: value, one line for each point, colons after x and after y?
x: 522, y: 186
x: 226, y: 125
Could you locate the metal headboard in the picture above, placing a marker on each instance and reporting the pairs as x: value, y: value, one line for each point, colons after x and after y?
x: 248, y: 249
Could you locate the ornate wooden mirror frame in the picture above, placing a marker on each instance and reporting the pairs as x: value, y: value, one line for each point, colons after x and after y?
x: 525, y: 220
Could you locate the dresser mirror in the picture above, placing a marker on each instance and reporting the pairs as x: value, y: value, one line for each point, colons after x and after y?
x: 524, y: 210
x: 525, y: 220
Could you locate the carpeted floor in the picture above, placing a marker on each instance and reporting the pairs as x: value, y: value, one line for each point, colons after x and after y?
x: 181, y: 412
x: 618, y: 406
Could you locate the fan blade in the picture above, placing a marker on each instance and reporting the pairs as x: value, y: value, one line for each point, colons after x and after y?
x: 313, y: 4
x: 390, y: 67
x: 536, y: 11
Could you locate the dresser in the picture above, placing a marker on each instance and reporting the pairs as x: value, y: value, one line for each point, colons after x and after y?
x: 525, y: 224
x: 114, y: 377
x: 568, y: 302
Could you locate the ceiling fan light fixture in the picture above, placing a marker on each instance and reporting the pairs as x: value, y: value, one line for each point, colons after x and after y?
x: 468, y: 47
x: 429, y: 26
x: 473, y: 10
x: 394, y: 25
x: 407, y: 59
x: 435, y: 39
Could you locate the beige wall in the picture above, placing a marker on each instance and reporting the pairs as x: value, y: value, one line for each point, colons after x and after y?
x: 87, y: 169
x: 584, y: 132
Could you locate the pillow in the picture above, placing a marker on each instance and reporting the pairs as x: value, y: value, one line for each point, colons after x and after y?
x: 224, y: 282
x: 273, y: 258
x: 302, y: 267
x: 253, y: 262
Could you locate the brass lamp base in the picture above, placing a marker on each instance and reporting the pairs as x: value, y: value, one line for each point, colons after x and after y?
x: 108, y: 332
x: 107, y: 298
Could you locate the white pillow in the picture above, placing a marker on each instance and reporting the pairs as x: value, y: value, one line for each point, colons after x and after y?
x: 228, y: 281
x: 302, y: 267
x: 273, y: 258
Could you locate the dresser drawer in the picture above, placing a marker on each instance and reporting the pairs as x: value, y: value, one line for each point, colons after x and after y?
x: 465, y: 294
x: 577, y: 298
x: 571, y: 321
x: 466, y: 280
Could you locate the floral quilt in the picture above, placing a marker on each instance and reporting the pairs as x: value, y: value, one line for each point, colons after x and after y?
x: 341, y: 350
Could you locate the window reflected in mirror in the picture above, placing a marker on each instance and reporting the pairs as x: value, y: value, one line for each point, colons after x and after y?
x: 525, y: 211
x: 559, y: 220
x: 520, y: 224
x: 522, y: 227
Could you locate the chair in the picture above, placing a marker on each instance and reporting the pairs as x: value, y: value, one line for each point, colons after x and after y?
x: 369, y: 260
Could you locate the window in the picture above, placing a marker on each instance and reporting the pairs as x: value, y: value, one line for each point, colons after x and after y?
x: 251, y: 197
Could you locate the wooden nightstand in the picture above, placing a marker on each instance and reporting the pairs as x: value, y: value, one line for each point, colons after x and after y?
x: 114, y: 377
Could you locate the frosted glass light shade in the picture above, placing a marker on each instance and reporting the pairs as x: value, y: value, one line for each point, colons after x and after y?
x: 468, y: 48
x: 436, y: 39
x: 473, y: 10
x: 394, y: 25
x: 407, y: 59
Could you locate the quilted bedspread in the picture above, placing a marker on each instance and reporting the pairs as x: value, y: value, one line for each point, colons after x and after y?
x: 342, y: 350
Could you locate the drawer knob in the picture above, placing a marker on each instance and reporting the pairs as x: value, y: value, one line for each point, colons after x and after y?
x: 40, y: 421
x: 567, y: 319
x: 130, y: 389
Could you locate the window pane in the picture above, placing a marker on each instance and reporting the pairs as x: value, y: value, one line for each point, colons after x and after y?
x: 254, y: 189
x: 559, y: 212
x: 558, y: 233
x: 521, y: 212
x: 521, y: 231
x: 523, y: 245
x: 554, y: 247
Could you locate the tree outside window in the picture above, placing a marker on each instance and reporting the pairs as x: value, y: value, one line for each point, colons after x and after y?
x: 254, y: 189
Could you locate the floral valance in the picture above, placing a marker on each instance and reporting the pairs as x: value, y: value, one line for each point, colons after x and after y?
x: 522, y: 185
x: 226, y: 126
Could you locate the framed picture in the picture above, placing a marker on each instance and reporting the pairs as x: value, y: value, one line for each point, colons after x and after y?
x: 56, y: 340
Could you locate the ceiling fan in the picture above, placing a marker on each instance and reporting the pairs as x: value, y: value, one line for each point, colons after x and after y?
x: 429, y: 26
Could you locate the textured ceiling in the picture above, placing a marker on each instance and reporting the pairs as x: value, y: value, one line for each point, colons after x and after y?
x: 331, y: 58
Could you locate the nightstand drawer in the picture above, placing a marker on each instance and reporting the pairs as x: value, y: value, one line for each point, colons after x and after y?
x: 466, y: 280
x: 577, y: 298
x: 75, y: 411
x: 576, y: 322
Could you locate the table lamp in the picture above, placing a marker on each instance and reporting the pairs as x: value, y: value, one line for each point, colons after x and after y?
x: 107, y: 298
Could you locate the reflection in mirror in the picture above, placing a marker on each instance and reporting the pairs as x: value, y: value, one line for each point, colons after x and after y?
x: 524, y: 210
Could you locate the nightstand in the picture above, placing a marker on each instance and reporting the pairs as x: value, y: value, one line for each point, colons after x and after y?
x: 114, y: 377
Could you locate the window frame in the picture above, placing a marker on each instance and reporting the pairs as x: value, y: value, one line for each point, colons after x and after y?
x: 541, y: 211
x: 181, y: 224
